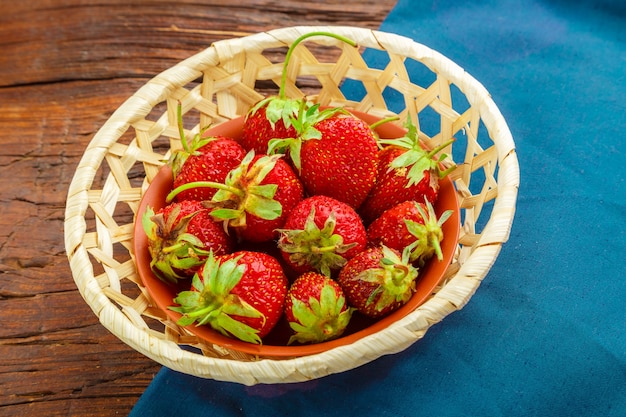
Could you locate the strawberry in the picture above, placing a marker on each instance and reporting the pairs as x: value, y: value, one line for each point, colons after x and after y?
x: 410, y: 224
x: 273, y: 124
x: 204, y: 159
x: 180, y: 237
x: 212, y: 161
x: 378, y: 280
x: 316, y: 309
x: 241, y: 295
x: 321, y: 234
x: 271, y: 118
x: 255, y: 198
x: 342, y: 162
x: 406, y: 171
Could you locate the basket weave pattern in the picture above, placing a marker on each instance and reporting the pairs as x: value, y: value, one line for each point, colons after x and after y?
x: 222, y: 83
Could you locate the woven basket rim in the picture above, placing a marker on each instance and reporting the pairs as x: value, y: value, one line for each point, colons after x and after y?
x: 397, y: 337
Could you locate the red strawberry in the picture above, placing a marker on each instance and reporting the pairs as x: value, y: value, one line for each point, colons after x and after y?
x: 410, y: 224
x: 321, y: 234
x: 204, y: 159
x: 210, y: 162
x: 241, y: 294
x: 180, y: 236
x: 316, y: 309
x: 272, y: 118
x: 255, y: 198
x: 406, y: 171
x: 342, y: 162
x: 269, y: 119
x: 378, y: 280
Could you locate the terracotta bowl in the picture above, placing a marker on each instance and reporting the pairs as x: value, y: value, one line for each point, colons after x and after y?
x: 275, y: 344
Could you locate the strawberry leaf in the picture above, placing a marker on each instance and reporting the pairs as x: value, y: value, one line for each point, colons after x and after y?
x: 265, y: 190
x: 237, y: 307
x: 330, y: 304
x: 226, y: 214
x: 416, y: 173
x: 261, y: 168
x: 149, y: 227
x: 263, y: 207
x: 229, y: 326
x: 304, y: 313
x: 186, y: 299
x: 280, y: 146
x: 225, y: 276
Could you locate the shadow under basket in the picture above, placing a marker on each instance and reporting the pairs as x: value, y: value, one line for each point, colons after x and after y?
x: 220, y: 84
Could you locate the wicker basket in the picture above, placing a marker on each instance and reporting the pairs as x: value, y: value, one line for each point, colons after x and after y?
x: 221, y: 83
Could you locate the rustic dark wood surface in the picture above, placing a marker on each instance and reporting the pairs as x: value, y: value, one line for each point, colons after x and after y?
x: 65, y: 66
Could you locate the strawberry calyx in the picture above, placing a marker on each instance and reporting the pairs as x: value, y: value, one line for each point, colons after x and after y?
x: 251, y: 196
x: 280, y: 108
x: 198, y: 184
x: 291, y: 146
x: 212, y: 302
x: 241, y: 192
x: 319, y: 248
x: 428, y: 236
x: 395, y: 278
x: 172, y: 249
x: 304, y: 125
x: 319, y: 320
x: 381, y: 122
x: 415, y: 158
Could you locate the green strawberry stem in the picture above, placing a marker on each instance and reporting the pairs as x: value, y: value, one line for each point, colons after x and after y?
x: 181, y: 129
x: 435, y: 241
x: 178, y: 157
x: 434, y: 152
x: 299, y: 113
x: 398, y: 274
x: 281, y: 92
x: 324, y: 249
x: 381, y: 122
x: 175, y: 247
x: 409, y: 145
x: 197, y: 141
x: 196, y: 184
x: 203, y: 311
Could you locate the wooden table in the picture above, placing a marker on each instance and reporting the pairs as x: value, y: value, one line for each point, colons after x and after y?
x: 65, y: 66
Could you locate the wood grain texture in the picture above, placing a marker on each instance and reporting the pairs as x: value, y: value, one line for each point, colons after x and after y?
x: 64, y: 68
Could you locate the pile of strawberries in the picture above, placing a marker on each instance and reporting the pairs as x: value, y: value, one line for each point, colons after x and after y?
x: 309, y: 216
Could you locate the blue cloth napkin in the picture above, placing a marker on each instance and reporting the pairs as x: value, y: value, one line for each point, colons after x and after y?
x: 545, y: 333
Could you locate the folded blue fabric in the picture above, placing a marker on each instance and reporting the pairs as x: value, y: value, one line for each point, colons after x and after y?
x: 545, y: 333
